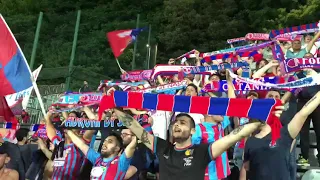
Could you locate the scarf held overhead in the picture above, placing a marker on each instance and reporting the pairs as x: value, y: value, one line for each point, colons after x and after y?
x: 78, y: 99
x: 222, y: 85
x: 170, y: 88
x: 233, y: 56
x: 307, y: 28
x: 137, y: 75
x: 300, y: 83
x: 257, y: 109
x: 298, y: 64
x: 165, y: 70
x: 261, y: 109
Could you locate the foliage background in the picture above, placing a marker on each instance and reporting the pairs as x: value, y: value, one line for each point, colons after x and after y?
x: 177, y: 27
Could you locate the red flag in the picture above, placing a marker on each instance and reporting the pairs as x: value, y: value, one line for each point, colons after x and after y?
x: 119, y: 40
x: 6, y: 114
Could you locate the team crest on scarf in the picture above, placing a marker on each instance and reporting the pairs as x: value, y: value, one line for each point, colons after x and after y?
x: 292, y: 63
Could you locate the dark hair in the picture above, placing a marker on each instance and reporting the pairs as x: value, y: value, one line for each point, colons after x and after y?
x: 22, y: 133
x: 276, y: 90
x: 192, y: 123
x: 215, y: 74
x: 257, y: 65
x: 194, y: 86
x: 78, y: 115
x: 119, y: 140
x: 117, y: 88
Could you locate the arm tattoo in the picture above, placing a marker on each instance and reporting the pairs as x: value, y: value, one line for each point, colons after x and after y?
x: 126, y: 120
x: 312, y: 99
x: 144, y: 137
x: 237, y: 130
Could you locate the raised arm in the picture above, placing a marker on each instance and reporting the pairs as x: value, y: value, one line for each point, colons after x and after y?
x: 298, y: 120
x: 311, y: 43
x: 51, y: 131
x: 78, y: 142
x: 265, y: 68
x: 136, y: 128
x: 89, y: 133
x: 129, y: 151
x: 218, y: 147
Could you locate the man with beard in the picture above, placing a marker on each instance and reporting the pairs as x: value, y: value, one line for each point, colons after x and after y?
x: 183, y: 160
x: 139, y: 157
x: 107, y: 164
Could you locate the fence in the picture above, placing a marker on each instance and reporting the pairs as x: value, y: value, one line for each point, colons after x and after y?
x: 49, y: 94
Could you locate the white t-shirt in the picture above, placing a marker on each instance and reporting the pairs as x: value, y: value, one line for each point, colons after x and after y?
x: 198, y: 118
x: 314, y: 48
x: 161, y: 121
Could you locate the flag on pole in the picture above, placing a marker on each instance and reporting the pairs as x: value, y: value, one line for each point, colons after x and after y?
x: 15, y: 75
x: 15, y: 100
x: 120, y: 39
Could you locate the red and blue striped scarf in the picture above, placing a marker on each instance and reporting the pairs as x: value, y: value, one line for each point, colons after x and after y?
x: 229, y: 55
x: 257, y: 108
x: 307, y: 27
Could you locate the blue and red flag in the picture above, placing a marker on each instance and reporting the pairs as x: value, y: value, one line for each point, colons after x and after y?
x: 120, y: 39
x: 15, y: 74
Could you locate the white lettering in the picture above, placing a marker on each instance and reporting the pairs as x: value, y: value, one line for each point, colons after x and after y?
x: 247, y: 87
x: 225, y: 87
x: 312, y: 61
x: 124, y: 34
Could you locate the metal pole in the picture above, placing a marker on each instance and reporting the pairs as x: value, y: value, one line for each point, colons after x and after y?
x: 133, y: 64
x: 149, y: 57
x: 155, y: 54
x: 74, y: 47
x: 149, y: 48
x: 35, y: 42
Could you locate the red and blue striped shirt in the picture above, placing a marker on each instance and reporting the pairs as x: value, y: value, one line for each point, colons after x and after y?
x: 69, y: 167
x: 114, y: 168
x: 207, y: 133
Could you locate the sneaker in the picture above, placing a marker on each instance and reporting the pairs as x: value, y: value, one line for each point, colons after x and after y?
x: 302, y: 162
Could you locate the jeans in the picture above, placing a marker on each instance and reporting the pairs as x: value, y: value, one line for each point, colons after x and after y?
x: 237, y: 157
x: 305, y: 131
x: 292, y: 157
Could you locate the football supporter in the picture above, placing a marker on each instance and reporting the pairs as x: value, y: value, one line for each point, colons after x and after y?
x: 182, y: 160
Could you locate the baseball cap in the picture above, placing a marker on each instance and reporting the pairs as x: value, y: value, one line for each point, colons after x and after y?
x: 4, y: 148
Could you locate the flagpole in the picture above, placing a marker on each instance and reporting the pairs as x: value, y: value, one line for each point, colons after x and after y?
x: 35, y: 42
x: 155, y: 55
x: 133, y: 63
x: 118, y: 64
x: 73, y: 52
x: 149, y: 48
x: 31, y: 75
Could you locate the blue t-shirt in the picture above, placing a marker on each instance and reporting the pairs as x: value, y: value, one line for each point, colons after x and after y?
x: 109, y: 168
x: 300, y: 54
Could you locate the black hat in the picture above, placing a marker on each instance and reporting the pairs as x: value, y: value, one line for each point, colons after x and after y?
x: 4, y: 148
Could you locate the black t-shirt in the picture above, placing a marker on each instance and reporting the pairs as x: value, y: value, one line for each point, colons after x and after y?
x: 266, y: 162
x: 138, y: 161
x: 184, y: 164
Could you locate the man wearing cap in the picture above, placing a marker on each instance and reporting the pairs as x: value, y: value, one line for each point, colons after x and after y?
x: 5, y: 173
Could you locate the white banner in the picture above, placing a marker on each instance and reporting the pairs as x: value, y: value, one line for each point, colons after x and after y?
x: 22, y: 96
